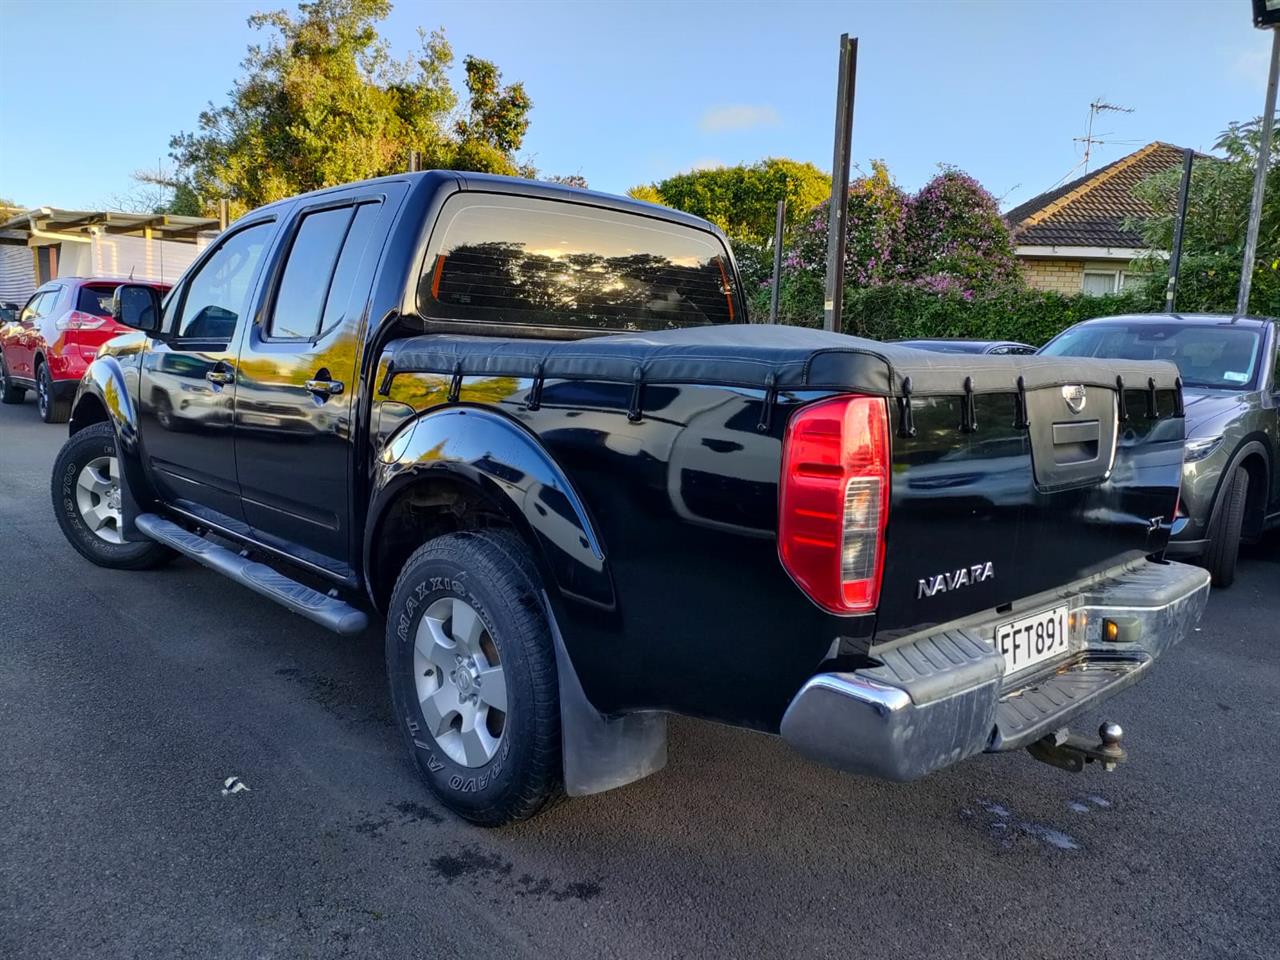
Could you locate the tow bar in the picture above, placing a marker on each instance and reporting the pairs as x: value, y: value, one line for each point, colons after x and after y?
x: 1070, y: 751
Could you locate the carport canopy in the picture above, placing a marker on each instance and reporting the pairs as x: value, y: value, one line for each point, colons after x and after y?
x: 26, y: 225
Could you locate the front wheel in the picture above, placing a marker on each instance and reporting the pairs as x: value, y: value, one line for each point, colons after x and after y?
x: 86, y: 501
x: 1224, y: 538
x: 472, y: 671
x: 10, y: 392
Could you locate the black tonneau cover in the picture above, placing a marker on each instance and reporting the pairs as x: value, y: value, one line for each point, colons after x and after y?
x: 749, y: 355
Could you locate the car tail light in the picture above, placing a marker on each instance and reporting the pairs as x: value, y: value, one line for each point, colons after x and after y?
x: 834, y: 501
x: 79, y: 320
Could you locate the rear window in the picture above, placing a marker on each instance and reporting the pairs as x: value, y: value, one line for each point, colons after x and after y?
x: 96, y: 300
x: 522, y: 261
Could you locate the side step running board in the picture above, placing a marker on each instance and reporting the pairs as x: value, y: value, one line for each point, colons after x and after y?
x: 325, y: 610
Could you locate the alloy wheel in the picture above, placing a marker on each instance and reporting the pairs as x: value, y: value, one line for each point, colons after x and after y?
x: 98, y: 498
x: 460, y: 682
x: 42, y: 394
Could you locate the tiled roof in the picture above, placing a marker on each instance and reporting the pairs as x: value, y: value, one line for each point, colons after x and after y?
x: 1091, y: 211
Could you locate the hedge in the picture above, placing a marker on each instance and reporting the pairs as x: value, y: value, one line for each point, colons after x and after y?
x: 895, y: 311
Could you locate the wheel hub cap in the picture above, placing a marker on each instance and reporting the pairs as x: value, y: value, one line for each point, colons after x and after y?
x: 98, y: 498
x: 461, y: 687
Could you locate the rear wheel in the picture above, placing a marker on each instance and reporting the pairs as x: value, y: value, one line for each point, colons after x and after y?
x: 472, y: 671
x: 52, y: 410
x: 1224, y: 537
x: 86, y: 500
x: 10, y: 392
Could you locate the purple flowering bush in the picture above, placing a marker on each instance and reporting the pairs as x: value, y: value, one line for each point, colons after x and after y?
x: 955, y: 239
x: 875, y: 219
x: 938, y: 263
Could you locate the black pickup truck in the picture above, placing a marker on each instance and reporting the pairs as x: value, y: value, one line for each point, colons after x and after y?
x: 529, y: 426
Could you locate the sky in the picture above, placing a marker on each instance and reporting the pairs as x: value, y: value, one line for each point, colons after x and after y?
x: 629, y: 93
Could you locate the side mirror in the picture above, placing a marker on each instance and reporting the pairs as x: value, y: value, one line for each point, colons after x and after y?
x: 137, y: 305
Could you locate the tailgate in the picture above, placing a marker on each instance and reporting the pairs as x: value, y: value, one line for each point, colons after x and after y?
x: 1040, y: 488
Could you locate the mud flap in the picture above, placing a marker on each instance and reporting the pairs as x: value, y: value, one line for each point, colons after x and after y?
x: 602, y: 752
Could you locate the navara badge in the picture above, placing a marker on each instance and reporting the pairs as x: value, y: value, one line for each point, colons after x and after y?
x: 1075, y: 396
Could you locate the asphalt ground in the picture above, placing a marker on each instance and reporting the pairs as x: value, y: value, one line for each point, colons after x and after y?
x: 127, y: 700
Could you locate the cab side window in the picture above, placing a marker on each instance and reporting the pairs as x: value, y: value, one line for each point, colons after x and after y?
x: 217, y: 295
x: 1275, y: 373
x: 32, y: 310
x: 305, y: 281
x: 42, y: 304
x: 316, y: 290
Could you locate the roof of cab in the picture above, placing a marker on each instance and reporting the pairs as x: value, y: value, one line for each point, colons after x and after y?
x: 517, y: 186
x: 491, y: 183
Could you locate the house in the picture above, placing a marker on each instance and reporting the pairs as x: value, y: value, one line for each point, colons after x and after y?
x: 1075, y: 238
x: 43, y: 243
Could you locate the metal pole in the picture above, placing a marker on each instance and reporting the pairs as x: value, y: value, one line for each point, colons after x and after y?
x: 1259, y: 179
x: 777, y: 261
x: 1175, y: 257
x: 833, y: 300
x: 224, y: 213
x: 413, y: 161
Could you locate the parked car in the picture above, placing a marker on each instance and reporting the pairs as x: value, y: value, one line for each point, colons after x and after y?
x: 1231, y: 389
x: 948, y: 345
x: 54, y: 339
x: 522, y: 422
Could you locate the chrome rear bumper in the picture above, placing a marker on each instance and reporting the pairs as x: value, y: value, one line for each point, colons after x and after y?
x: 937, y: 699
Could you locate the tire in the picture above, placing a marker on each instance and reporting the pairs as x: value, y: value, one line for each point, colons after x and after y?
x: 1224, y: 537
x: 10, y: 392
x: 84, y: 494
x: 52, y: 410
x: 490, y: 778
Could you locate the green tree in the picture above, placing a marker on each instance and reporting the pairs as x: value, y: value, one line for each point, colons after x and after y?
x: 1217, y: 220
x: 646, y: 192
x: 323, y: 102
x: 742, y: 201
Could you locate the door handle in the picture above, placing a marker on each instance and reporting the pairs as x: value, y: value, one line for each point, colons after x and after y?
x: 219, y: 378
x: 325, y: 388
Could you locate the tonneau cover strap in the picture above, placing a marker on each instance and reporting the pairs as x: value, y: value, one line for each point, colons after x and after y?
x: 637, y: 396
x: 906, y: 421
x: 770, y: 398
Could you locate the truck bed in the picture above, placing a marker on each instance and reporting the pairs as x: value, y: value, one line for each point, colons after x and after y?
x: 673, y: 443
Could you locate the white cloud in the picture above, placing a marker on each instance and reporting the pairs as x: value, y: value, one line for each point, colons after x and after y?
x: 737, y: 117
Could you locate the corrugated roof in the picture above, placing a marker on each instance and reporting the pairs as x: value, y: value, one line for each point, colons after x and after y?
x: 1091, y: 211
x: 19, y: 224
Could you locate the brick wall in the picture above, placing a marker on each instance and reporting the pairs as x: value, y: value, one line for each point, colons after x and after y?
x: 1064, y: 276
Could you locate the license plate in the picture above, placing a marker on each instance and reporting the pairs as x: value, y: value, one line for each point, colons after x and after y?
x: 1034, y: 639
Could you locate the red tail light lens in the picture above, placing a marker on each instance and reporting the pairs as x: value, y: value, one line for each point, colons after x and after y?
x: 834, y: 501
x: 79, y: 320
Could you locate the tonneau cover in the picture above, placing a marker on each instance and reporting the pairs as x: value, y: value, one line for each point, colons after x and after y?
x: 758, y: 355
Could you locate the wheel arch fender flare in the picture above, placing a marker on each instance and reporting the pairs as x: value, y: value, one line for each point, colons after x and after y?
x: 103, y: 396
x: 498, y: 458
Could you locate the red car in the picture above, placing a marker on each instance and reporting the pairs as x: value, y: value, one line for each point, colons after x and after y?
x: 53, y: 340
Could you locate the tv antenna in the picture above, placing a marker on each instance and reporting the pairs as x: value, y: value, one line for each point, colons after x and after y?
x: 1098, y: 106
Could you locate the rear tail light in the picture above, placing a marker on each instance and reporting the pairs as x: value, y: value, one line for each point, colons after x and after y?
x: 834, y: 501
x: 79, y: 320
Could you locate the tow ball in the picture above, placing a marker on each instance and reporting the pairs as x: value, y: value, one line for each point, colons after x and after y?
x: 1070, y: 751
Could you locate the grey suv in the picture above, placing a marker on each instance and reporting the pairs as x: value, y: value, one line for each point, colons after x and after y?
x: 1231, y: 389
